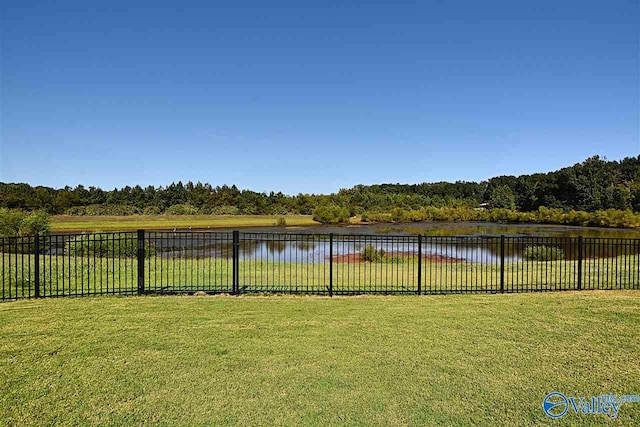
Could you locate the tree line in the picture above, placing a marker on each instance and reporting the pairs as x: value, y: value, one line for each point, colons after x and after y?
x: 593, y: 185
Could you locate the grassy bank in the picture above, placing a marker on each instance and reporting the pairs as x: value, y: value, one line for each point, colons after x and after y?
x: 609, y: 218
x: 604, y: 220
x: 69, y: 275
x: 68, y: 223
x: 456, y: 360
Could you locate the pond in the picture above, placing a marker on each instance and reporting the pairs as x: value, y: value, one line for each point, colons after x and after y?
x: 441, y: 241
x: 475, y: 242
x: 451, y: 229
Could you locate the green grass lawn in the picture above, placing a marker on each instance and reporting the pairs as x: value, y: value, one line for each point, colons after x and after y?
x: 70, y: 275
x: 449, y: 360
x: 68, y: 223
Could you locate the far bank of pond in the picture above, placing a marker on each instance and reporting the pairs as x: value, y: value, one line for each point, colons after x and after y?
x: 471, y: 241
x: 450, y: 229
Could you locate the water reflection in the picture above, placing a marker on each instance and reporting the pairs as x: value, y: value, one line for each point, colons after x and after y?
x: 316, y: 248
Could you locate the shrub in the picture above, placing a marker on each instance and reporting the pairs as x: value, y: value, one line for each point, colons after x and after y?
x: 461, y: 213
x: 249, y: 209
x: 103, y: 209
x: 151, y: 210
x: 357, y: 210
x: 527, y: 217
x: 577, y: 218
x: 277, y: 210
x: 281, y: 222
x: 399, y: 215
x: 415, y: 215
x: 615, y: 218
x: 22, y: 245
x: 10, y: 220
x: 544, y: 215
x: 371, y: 254
x: 330, y: 214
x: 105, y: 246
x: 15, y: 222
x: 503, y: 215
x: 549, y: 215
x: 37, y: 222
x: 543, y: 253
x: 431, y: 213
x: 181, y: 210
x: 378, y: 217
x: 225, y: 210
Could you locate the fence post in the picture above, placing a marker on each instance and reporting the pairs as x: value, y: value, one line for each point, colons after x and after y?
x: 637, y: 266
x: 330, y: 264
x: 502, y: 263
x: 419, y: 264
x: 579, y: 262
x: 141, y: 257
x: 236, y: 262
x: 36, y: 250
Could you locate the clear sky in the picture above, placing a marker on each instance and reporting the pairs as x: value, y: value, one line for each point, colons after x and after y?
x: 303, y: 96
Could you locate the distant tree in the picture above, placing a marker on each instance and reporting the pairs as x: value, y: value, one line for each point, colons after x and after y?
x: 503, y: 197
x: 592, y: 185
x: 634, y: 190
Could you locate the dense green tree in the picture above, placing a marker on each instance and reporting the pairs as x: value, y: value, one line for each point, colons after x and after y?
x: 593, y: 185
x: 503, y: 198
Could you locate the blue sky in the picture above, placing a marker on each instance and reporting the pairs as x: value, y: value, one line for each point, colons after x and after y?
x: 313, y: 96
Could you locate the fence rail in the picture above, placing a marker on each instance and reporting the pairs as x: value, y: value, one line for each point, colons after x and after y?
x: 142, y: 262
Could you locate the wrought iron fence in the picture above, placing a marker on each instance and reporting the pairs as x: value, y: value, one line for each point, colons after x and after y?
x: 142, y: 262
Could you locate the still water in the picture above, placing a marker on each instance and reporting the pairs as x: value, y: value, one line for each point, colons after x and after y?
x: 475, y: 242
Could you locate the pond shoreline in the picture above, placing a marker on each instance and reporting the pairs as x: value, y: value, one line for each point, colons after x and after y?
x: 426, y: 228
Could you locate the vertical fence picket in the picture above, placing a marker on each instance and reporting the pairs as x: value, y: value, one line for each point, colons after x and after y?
x: 36, y: 257
x: 419, y: 264
x: 579, y: 262
x: 236, y: 262
x: 502, y: 264
x: 331, y: 264
x: 141, y: 257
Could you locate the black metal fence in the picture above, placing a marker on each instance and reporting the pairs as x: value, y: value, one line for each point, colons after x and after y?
x: 127, y: 263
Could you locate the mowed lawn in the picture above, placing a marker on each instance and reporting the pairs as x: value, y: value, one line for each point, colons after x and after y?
x: 70, y: 223
x: 86, y: 275
x: 279, y: 360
